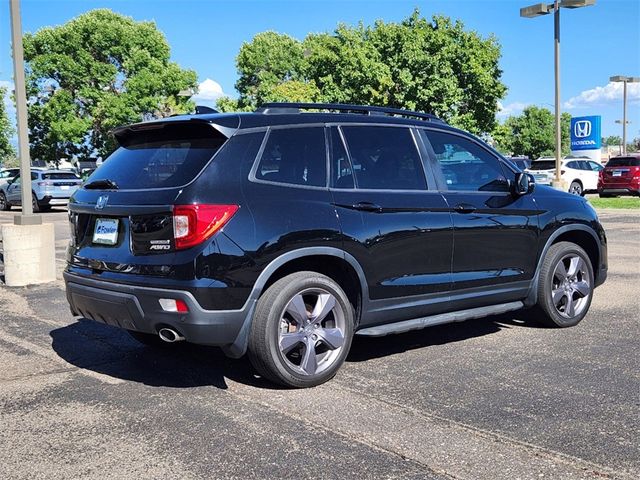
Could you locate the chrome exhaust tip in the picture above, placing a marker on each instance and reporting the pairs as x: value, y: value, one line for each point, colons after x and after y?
x: 169, y: 335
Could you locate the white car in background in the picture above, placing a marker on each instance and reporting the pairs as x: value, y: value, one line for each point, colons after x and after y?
x: 579, y: 173
x: 8, y: 173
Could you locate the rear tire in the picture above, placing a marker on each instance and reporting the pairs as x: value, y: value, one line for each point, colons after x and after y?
x: 302, y: 330
x: 34, y: 203
x: 565, y: 285
x: 4, y: 203
x: 576, y: 188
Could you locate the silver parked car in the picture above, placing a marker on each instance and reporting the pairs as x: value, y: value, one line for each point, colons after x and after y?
x: 48, y: 188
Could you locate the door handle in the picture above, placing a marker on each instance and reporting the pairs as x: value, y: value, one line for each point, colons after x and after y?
x: 464, y: 208
x: 367, y: 207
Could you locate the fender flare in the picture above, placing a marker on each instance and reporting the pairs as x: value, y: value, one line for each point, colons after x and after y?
x: 532, y: 296
x: 239, y: 347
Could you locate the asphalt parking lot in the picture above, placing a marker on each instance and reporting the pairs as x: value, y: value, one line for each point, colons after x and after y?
x: 499, y: 398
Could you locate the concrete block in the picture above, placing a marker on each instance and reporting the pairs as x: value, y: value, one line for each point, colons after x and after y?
x: 29, y: 254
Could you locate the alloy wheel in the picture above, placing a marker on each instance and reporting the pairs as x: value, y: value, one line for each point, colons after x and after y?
x: 571, y: 287
x: 312, y: 331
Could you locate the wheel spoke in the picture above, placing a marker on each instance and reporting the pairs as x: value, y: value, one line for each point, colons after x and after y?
x: 558, y: 293
x: 298, y: 310
x: 575, y: 265
x: 309, y: 361
x: 289, y: 340
x: 569, y: 308
x: 561, y: 271
x: 324, y: 305
x: 582, y: 288
x: 331, y: 337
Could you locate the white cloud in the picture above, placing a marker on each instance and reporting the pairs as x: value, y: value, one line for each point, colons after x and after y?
x: 208, y: 92
x: 509, y: 109
x: 609, y: 94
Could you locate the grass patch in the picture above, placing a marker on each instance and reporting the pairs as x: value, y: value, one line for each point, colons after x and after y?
x: 621, y: 202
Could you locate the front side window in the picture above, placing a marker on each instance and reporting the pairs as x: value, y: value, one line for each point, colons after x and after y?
x: 342, y: 171
x: 465, y: 165
x: 384, y: 158
x: 294, y: 155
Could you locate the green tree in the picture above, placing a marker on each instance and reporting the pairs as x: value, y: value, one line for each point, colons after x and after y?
x: 7, y: 152
x: 532, y: 133
x: 98, y: 71
x: 429, y: 65
x: 612, y: 140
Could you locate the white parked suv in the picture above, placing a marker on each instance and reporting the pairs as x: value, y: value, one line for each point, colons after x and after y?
x: 579, y: 173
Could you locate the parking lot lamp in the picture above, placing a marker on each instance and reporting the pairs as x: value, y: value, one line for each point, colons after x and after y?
x: 537, y: 10
x: 624, y: 80
x: 26, y: 217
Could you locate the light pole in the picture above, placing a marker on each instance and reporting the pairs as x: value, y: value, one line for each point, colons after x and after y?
x: 537, y: 10
x: 624, y: 80
x: 27, y: 217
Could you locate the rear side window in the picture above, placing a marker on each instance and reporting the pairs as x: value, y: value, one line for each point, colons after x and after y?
x: 60, y: 176
x: 296, y: 156
x: 624, y: 162
x: 384, y: 158
x: 159, y: 158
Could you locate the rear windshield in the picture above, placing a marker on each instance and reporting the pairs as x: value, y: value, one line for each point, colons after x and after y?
x: 543, y: 165
x: 60, y: 176
x: 624, y: 162
x: 160, y: 158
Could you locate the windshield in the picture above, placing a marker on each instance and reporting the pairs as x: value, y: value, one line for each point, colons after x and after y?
x: 624, y: 162
x: 543, y: 165
x: 160, y: 158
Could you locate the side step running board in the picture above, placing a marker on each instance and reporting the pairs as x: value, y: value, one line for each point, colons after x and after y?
x: 459, y: 316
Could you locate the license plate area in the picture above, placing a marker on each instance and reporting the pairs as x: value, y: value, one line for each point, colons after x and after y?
x: 105, y: 231
x: 617, y: 173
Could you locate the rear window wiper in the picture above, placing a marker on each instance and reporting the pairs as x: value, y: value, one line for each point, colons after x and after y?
x: 105, y: 184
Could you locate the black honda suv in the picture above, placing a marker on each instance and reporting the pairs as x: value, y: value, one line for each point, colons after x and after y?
x: 286, y: 231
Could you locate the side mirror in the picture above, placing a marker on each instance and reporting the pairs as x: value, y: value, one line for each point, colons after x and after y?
x: 524, y: 183
x: 10, y: 181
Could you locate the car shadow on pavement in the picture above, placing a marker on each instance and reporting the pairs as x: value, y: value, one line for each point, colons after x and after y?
x: 111, y: 351
x: 367, y: 348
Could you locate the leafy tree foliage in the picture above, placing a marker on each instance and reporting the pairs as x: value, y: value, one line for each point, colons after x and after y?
x: 612, y: 140
x: 98, y: 71
x: 430, y: 65
x: 532, y: 133
x: 7, y: 152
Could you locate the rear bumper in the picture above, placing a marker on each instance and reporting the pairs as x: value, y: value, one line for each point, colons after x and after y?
x: 619, y: 191
x: 50, y: 200
x: 137, y: 308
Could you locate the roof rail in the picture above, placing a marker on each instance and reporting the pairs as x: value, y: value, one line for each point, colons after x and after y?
x: 295, y: 107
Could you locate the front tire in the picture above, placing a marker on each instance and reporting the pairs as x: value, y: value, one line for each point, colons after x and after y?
x: 302, y: 330
x: 565, y: 285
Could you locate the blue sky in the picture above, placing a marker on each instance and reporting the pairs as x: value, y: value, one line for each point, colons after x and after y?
x: 205, y: 35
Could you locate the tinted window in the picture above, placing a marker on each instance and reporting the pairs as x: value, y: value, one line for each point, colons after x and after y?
x: 384, y: 158
x: 543, y: 165
x: 164, y: 157
x: 595, y: 166
x: 294, y: 155
x: 60, y: 176
x: 624, y: 162
x: 465, y: 165
x: 574, y: 165
x: 342, y: 171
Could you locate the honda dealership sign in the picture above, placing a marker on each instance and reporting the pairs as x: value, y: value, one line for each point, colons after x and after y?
x: 585, y: 133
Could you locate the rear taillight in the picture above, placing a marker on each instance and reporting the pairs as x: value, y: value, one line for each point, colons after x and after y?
x: 193, y: 224
x: 44, y: 184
